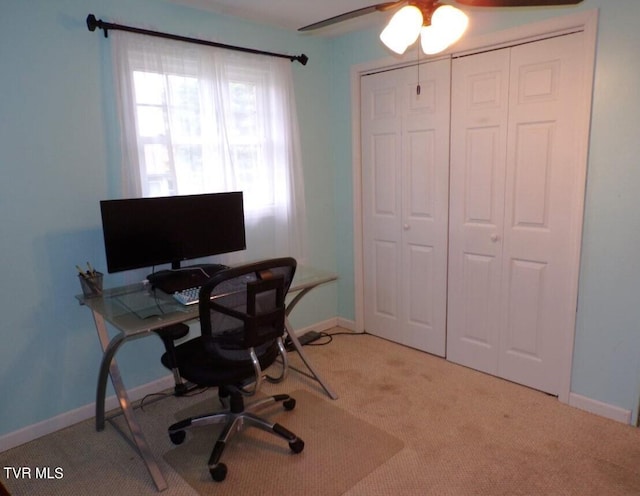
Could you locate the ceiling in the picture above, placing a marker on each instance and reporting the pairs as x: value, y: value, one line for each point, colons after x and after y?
x: 293, y: 14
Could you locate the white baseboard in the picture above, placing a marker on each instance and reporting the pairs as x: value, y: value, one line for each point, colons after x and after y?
x: 349, y: 325
x: 326, y: 325
x: 72, y: 417
x: 34, y: 431
x: 599, y: 408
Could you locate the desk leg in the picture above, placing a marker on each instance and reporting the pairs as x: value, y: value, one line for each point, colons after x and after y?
x: 298, y: 347
x: 108, y: 366
x: 109, y: 361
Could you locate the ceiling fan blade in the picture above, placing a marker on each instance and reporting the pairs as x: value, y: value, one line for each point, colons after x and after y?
x: 516, y: 3
x: 381, y: 7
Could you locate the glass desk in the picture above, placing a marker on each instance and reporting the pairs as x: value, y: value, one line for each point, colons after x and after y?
x: 136, y: 311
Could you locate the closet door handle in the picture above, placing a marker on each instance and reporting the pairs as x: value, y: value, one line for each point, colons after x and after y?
x: 406, y: 227
x: 495, y: 238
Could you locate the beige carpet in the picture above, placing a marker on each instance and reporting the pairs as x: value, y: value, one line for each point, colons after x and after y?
x: 334, y: 441
x: 464, y: 433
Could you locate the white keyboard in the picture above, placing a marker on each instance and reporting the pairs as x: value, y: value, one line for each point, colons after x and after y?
x: 187, y: 296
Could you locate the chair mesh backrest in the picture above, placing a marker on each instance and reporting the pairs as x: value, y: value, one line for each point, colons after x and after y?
x: 244, y: 306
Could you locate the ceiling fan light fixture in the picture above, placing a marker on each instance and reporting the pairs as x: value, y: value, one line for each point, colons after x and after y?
x: 444, y: 26
x: 403, y: 29
x: 450, y: 22
x: 432, y: 41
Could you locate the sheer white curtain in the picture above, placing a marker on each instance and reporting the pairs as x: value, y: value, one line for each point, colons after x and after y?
x: 197, y: 119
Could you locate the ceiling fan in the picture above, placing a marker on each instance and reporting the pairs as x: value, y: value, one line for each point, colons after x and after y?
x: 386, y: 6
x: 439, y: 25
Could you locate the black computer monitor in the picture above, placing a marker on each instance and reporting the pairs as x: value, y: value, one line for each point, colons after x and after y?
x: 145, y: 232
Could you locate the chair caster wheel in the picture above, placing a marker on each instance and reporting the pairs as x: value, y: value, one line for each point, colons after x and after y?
x: 289, y: 404
x: 296, y: 446
x: 219, y: 472
x: 177, y: 437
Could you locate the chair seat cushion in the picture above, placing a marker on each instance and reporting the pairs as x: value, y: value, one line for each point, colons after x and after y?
x: 229, y: 366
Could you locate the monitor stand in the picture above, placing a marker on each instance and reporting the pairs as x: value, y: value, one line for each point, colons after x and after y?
x: 180, y: 278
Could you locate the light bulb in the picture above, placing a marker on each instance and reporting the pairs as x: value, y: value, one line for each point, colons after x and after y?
x: 450, y: 22
x: 403, y: 29
x: 432, y: 41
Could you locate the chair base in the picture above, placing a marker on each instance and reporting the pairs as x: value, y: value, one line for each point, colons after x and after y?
x: 235, y: 418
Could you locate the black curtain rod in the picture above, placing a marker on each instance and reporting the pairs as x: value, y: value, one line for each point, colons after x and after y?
x: 93, y: 23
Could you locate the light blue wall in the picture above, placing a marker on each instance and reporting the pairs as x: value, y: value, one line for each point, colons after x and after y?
x: 606, y: 364
x: 59, y: 157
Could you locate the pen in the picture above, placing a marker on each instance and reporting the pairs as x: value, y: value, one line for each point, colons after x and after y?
x: 91, y: 270
x: 82, y: 273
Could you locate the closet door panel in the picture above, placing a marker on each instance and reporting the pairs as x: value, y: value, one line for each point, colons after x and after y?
x: 478, y: 273
x: 478, y: 135
x: 419, y: 257
x: 542, y: 223
x: 420, y: 288
x: 384, y: 288
x: 417, y: 191
x: 425, y: 198
x: 382, y: 207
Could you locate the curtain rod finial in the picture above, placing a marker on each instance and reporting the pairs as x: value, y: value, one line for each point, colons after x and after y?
x: 92, y: 22
x: 303, y: 59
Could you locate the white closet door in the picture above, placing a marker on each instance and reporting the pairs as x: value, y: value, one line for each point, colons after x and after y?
x: 513, y: 269
x: 405, y: 142
x: 543, y: 218
x: 480, y: 98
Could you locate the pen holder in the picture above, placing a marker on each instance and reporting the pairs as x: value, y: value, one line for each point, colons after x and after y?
x: 91, y: 284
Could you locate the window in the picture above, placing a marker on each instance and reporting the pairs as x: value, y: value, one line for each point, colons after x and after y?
x: 200, y: 119
x: 169, y: 133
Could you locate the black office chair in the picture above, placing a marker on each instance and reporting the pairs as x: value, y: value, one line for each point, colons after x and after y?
x: 242, y: 317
